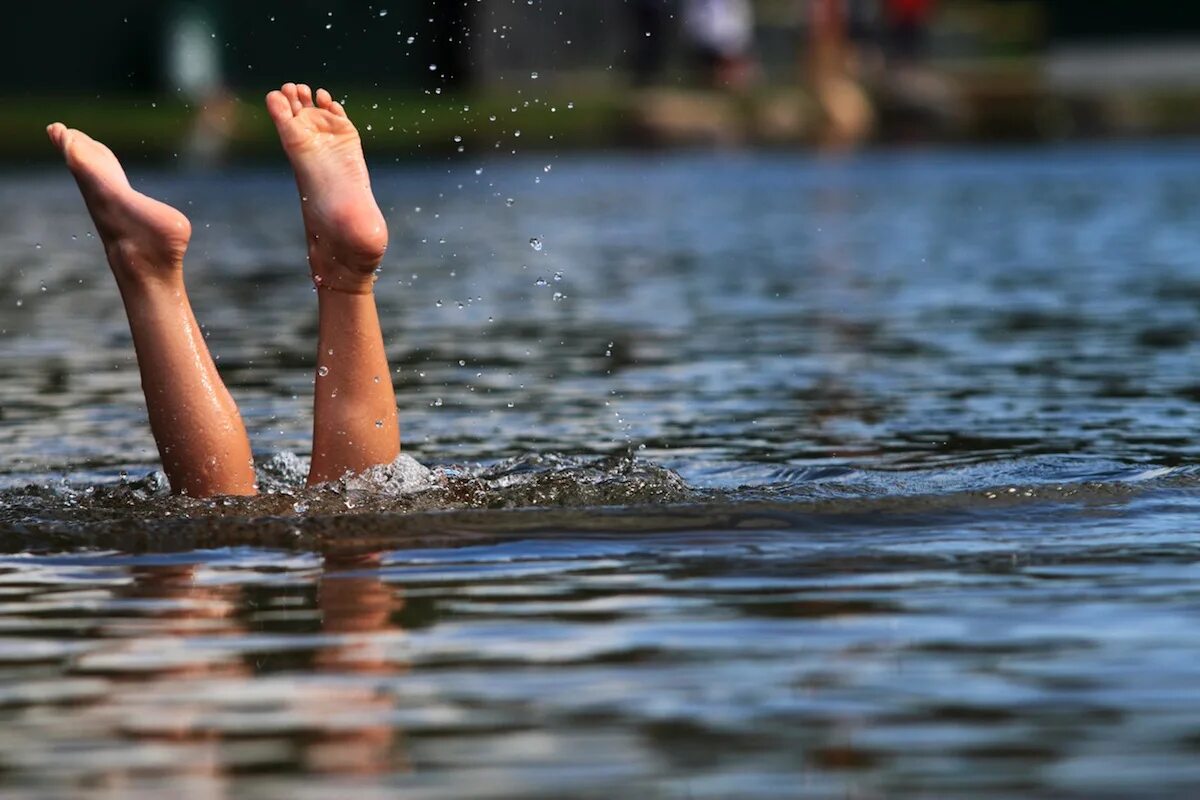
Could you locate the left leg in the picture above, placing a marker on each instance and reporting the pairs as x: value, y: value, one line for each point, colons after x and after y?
x: 196, y: 424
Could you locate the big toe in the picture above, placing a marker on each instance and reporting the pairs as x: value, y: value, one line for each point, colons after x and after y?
x: 73, y: 143
x: 279, y: 107
x: 57, y: 133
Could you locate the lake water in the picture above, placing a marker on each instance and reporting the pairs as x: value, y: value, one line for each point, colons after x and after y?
x: 765, y: 477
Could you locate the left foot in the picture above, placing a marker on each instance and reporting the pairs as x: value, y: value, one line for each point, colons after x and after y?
x: 143, y: 238
x: 346, y: 231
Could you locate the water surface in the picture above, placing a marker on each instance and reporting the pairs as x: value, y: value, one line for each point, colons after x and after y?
x: 764, y: 476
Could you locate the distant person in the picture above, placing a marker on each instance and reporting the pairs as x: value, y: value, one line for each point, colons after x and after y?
x: 196, y: 425
x: 721, y: 33
x: 193, y: 67
x: 848, y: 113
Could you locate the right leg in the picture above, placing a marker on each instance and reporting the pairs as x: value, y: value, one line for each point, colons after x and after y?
x: 195, y: 422
x: 354, y: 405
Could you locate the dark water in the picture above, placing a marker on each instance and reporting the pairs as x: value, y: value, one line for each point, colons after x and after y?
x: 873, y: 478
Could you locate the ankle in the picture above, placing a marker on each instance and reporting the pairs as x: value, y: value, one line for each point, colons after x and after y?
x: 135, y: 269
x: 338, y: 276
x: 343, y: 288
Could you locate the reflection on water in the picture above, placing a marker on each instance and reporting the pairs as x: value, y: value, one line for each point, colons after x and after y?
x: 901, y: 661
x: 186, y: 671
x: 762, y: 478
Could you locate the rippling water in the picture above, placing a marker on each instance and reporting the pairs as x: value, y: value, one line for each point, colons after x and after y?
x: 763, y: 477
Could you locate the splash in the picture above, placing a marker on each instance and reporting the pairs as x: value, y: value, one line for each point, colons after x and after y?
x: 140, y: 513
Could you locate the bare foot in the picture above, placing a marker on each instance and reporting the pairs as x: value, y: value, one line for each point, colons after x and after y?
x: 346, y: 231
x: 142, y: 237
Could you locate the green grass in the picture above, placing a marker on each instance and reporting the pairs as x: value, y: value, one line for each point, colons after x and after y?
x: 155, y: 128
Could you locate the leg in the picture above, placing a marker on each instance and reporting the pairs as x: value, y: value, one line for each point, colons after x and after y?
x: 196, y: 425
x: 354, y: 408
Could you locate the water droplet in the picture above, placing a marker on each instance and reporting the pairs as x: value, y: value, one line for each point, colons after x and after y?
x: 378, y: 423
x: 432, y: 67
x: 457, y: 138
x: 479, y: 170
x: 540, y: 282
x: 42, y: 286
x: 533, y: 75
x: 546, y: 168
x: 437, y: 303
x: 437, y: 402
x: 410, y: 40
x: 558, y: 296
x: 558, y: 276
x: 383, y: 13
x: 328, y: 25
x: 299, y: 506
x: 509, y: 202
x: 517, y: 132
x: 323, y: 370
x: 377, y: 379
x: 37, y: 246
x: 536, y: 243
x: 571, y: 104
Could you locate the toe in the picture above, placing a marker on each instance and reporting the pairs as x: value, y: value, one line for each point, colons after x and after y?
x: 336, y: 108
x: 305, y: 93
x: 292, y: 94
x: 279, y: 107
x: 56, y: 131
x: 324, y: 98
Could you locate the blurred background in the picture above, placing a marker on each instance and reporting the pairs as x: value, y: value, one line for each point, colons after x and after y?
x: 184, y: 79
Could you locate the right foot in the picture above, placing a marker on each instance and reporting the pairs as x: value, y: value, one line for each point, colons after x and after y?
x: 142, y: 237
x: 346, y: 231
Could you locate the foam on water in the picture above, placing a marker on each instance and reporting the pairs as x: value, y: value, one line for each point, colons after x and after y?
x: 409, y: 503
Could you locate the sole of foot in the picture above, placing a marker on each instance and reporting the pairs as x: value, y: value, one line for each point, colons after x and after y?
x: 143, y: 237
x: 346, y: 231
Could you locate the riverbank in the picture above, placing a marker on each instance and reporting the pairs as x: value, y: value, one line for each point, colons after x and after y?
x: 1008, y: 103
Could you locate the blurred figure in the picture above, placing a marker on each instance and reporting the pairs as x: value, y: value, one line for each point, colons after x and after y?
x: 193, y: 67
x: 721, y: 33
x: 849, y: 116
x: 922, y: 101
